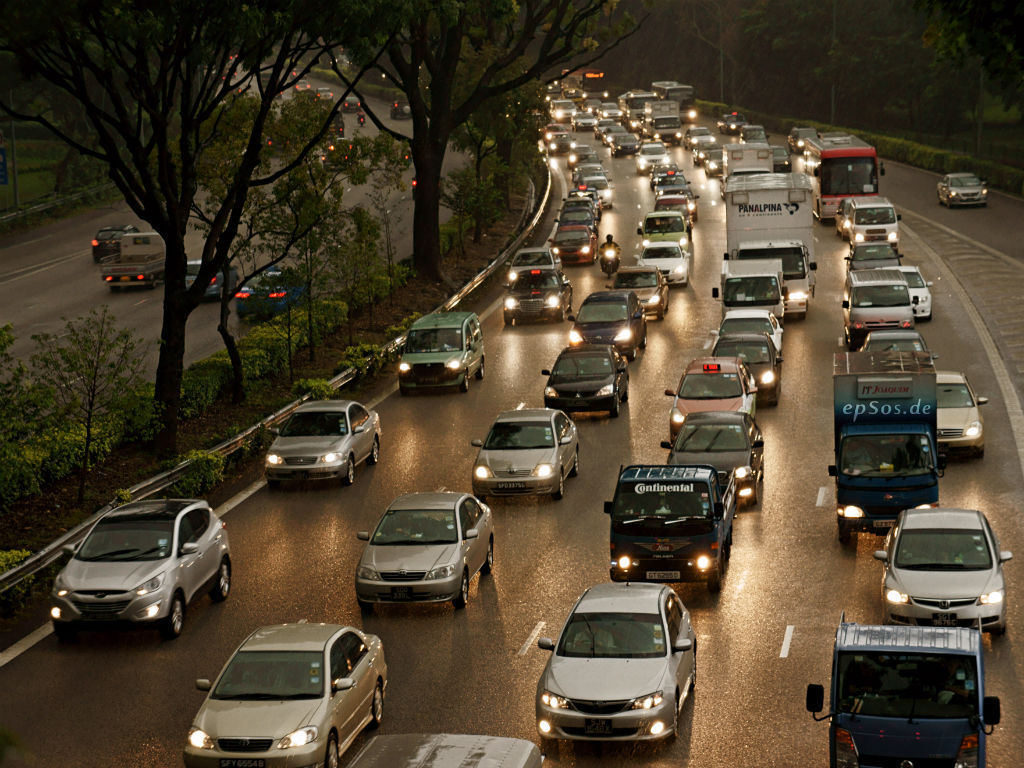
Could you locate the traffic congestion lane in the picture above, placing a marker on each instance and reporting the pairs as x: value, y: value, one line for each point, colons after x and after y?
x: 295, y: 555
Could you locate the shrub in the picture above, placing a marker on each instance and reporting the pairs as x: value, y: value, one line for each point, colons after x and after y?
x: 318, y: 389
x: 366, y: 359
x: 205, y: 470
x: 14, y: 598
x: 202, y: 383
x: 396, y: 330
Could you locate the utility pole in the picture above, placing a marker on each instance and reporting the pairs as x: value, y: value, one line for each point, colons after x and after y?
x: 832, y: 53
x: 721, y: 58
x: 12, y: 166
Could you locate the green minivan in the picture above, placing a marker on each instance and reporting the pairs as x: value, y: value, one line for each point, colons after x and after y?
x: 443, y: 349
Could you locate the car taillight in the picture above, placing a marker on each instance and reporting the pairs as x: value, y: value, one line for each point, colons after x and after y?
x: 239, y: 295
x: 213, y: 281
x: 277, y: 294
x: 140, y: 277
x: 95, y: 243
x: 907, y: 324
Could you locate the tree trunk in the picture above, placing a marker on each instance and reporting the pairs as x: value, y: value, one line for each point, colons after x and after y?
x: 83, y: 470
x: 426, y: 226
x: 503, y: 151
x: 169, y: 369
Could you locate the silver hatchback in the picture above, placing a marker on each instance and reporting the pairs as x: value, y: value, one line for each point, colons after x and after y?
x: 142, y: 564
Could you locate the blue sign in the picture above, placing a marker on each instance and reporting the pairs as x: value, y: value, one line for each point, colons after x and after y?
x: 3, y: 166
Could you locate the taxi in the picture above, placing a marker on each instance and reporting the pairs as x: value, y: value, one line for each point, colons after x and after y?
x: 711, y: 384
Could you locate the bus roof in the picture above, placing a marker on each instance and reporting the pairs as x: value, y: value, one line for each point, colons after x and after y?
x: 843, y: 145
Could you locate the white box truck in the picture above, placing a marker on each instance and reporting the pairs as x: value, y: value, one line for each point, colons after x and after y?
x: 752, y: 285
x: 140, y: 262
x: 769, y: 216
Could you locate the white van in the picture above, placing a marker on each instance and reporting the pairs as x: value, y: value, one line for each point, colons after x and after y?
x: 868, y: 220
x: 874, y: 299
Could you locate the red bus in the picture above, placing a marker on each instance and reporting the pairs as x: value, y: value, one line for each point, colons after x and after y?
x: 840, y: 166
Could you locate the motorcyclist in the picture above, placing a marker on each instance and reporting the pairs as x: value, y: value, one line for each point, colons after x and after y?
x: 610, y: 255
x: 361, y: 117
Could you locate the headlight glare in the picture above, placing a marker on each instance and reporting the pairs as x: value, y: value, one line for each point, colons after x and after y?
x: 199, y: 739
x: 455, y: 364
x: 329, y: 458
x: 273, y: 458
x: 554, y: 701
x: 851, y: 511
x: 648, y: 701
x: 991, y: 598
x: 543, y: 470
x: 511, y: 303
x: 404, y: 367
x: 703, y: 562
x: 605, y: 391
x: 741, y: 472
x: 483, y: 472
x: 768, y: 377
x: 575, y: 337
x: 551, y: 301
x: 973, y: 430
x: 892, y: 237
x: 896, y: 597
x: 677, y: 416
x: 299, y: 738
x: 624, y: 335
x: 655, y: 299
x: 798, y: 295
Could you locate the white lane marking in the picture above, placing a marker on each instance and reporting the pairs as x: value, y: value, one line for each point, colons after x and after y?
x: 520, y: 406
x: 709, y: 342
x: 531, y: 639
x: 821, y: 496
x: 839, y: 341
x: 10, y: 654
x: 784, y: 653
x: 137, y: 303
x: 239, y: 497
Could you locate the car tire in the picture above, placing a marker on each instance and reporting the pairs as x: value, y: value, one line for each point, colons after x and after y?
x: 625, y: 393
x: 350, y: 471
x: 559, y: 493
x: 614, y: 410
x: 377, y: 705
x: 480, y: 370
x: 661, y: 312
x: 979, y: 453
x: 509, y: 319
x: 715, y: 579
x: 643, y: 340
x: 464, y: 385
x: 574, y: 471
x: 273, y: 485
x: 844, y: 532
x: 331, y: 757
x: 171, y: 626
x: 998, y: 631
x: 365, y: 608
x: 222, y: 583
x: 66, y: 633
x: 374, y: 456
x: 488, y: 565
x: 460, y: 600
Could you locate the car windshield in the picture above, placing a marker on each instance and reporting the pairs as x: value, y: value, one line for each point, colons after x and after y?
x: 576, y: 214
x: 874, y: 253
x: 763, y: 288
x: 882, y: 344
x: 434, y: 340
x: 881, y: 296
x: 583, y: 365
x: 613, y: 636
x: 711, y: 438
x: 848, y: 176
x: 656, y: 225
x: 780, y: 153
x: 636, y: 279
x: 314, y: 424
x: 753, y: 134
x: 914, y: 280
x: 965, y: 181
x: 114, y: 540
x: 272, y: 676
x: 596, y: 182
x: 564, y: 236
x: 666, y: 122
x: 907, y: 685
x: 532, y: 258
x: 109, y: 234
x: 700, y: 132
x: 943, y: 550
x: 748, y: 351
x: 746, y: 325
x: 886, y: 455
x: 661, y: 253
x: 663, y: 502
x: 602, y: 312
x: 403, y: 527
x: 713, y: 153
x: 954, y: 396
x: 880, y: 215
x: 546, y: 280
x: 519, y: 435
x: 652, y: 149
x: 710, y: 386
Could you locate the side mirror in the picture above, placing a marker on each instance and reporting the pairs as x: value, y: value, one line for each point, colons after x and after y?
x: 363, y: 535
x: 815, y: 700
x: 359, y: 430
x: 990, y: 710
x: 759, y: 443
x: 940, y: 461
x: 899, y: 217
x: 719, y: 510
x: 814, y: 266
x: 725, y: 256
x: 472, y: 533
x: 188, y: 548
x: 666, y: 444
x: 546, y: 644
x: 638, y: 314
x: 1005, y: 555
x: 478, y: 443
x: 545, y: 372
x: 833, y: 471
x: 70, y: 548
x: 608, y: 507
x: 679, y: 646
x: 714, y: 293
x: 571, y: 318
x: 817, y: 171
x: 565, y: 440
x: 202, y: 684
x: 881, y: 169
x: 846, y: 304
x: 930, y: 283
x: 275, y: 431
x: 639, y: 230
x: 982, y: 400
x: 342, y: 684
x: 848, y: 258
x: 880, y: 554
x: 670, y: 392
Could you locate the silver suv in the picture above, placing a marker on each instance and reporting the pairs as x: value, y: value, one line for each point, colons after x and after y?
x: 142, y: 564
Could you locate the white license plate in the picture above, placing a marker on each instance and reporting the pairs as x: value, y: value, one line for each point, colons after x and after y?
x: 884, y: 523
x: 510, y: 484
x: 242, y: 762
x: 944, y: 619
x: 663, y: 575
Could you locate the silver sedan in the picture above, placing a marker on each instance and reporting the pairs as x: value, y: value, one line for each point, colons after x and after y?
x: 427, y: 547
x: 530, y: 451
x: 324, y: 439
x: 622, y: 668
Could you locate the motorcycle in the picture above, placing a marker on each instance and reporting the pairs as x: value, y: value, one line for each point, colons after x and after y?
x: 610, y: 257
x: 361, y: 117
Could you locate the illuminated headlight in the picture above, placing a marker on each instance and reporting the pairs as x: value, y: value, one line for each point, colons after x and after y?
x: 329, y: 458
x: 512, y: 275
x: 800, y: 142
x: 991, y: 598
x: 657, y: 135
x: 550, y: 301
x: 690, y: 206
x: 984, y: 191
x: 299, y: 738
x: 641, y: 162
x: 646, y: 242
x: 558, y: 114
x: 679, y: 270
x: 554, y: 701
x: 483, y: 472
x: 572, y: 158
x: 606, y: 193
x: 846, y: 224
x: 511, y: 303
x: 713, y: 140
x: 677, y: 416
x: 768, y: 377
x: 403, y: 367
x: 647, y: 702
x: 851, y: 510
x: 150, y: 586
x: 703, y: 562
x: 575, y: 337
x: 798, y: 295
x: 55, y: 612
x: 655, y: 299
x: 552, y: 145
x: 711, y: 165
x: 442, y: 572
x: 896, y: 597
x: 746, y: 492
x: 548, y: 392
x: 741, y: 472
x: 585, y: 249
x: 952, y: 193
x: 679, y: 134
x: 927, y: 506
x: 454, y: 365
x: 892, y: 237
x: 572, y: 145
x: 199, y: 739
x: 682, y: 240
x: 367, y: 573
x: 859, y: 237
x: 657, y: 728
x: 624, y: 562
x: 273, y: 458
x: 152, y: 610
x: 605, y: 391
x: 544, y: 726
x: 692, y: 114
x: 973, y: 430
x: 624, y: 335
x: 543, y: 470
x: 555, y: 250
x: 548, y: 135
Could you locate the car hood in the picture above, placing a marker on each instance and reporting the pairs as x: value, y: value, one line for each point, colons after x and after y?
x: 117, y: 576
x: 945, y: 584
x: 604, y: 679
x: 230, y: 718
x: 645, y: 293
x: 580, y: 382
x: 722, y: 461
x: 499, y: 460
x: 600, y: 332
x: 409, y: 557
x: 309, y: 445
x: 696, y: 406
x: 956, y: 418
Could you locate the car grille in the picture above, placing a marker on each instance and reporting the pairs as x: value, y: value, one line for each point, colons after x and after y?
x: 433, y: 372
x: 872, y: 324
x: 600, y: 707
x: 299, y: 461
x: 945, y: 604
x: 510, y: 472
x: 107, y: 611
x: 531, y: 305
x: 244, y: 745
x: 402, y: 575
x: 948, y: 433
x: 875, y: 234
x: 896, y: 762
x: 968, y: 197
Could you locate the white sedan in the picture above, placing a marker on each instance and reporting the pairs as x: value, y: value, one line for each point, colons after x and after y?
x: 651, y: 153
x: 671, y: 259
x: 920, y: 292
x: 752, y: 321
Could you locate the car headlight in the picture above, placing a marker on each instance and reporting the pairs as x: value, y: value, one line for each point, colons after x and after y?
x: 572, y: 158
x: 554, y: 701
x: 454, y: 364
x: 691, y: 206
x: 859, y: 237
x: 441, y: 572
x: 60, y: 589
x: 299, y: 738
x: 483, y: 471
x: 624, y: 335
x: 585, y: 249
x: 329, y: 458
x: 551, y: 301
x: 552, y: 145
x: 768, y: 377
x: 655, y: 299
x: 851, y: 510
x: 511, y: 303
x: 973, y: 430
x: 679, y: 134
x: 984, y: 191
x: 550, y: 392
x: 555, y: 250
x: 512, y: 275
x: 677, y: 416
x: 991, y: 598
x: 800, y: 142
x: 741, y: 472
x: 678, y: 270
x: 896, y: 597
x: 543, y: 470
x: 703, y: 562
x: 798, y: 295
x: 646, y: 242
x: 404, y: 367
x: 150, y: 586
x: 648, y: 701
x: 641, y: 162
x: 692, y: 114
x: 575, y: 337
x: 274, y: 459
x: 893, y: 237
x: 605, y: 391
x: 572, y: 145
x: 711, y: 165
x: 606, y: 193
x: 200, y: 739
x: 682, y: 240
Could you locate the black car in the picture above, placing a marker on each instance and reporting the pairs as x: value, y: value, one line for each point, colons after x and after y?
x: 780, y: 160
x: 588, y: 377
x: 730, y: 441
x: 580, y: 215
x: 108, y: 241
x: 762, y: 358
x: 611, y: 317
x: 581, y: 203
x: 351, y: 104
x: 731, y: 122
x: 624, y: 144
x: 661, y: 172
x: 538, y: 294
x: 400, y: 110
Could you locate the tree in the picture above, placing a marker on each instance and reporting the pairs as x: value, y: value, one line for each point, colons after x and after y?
x: 453, y: 55
x: 154, y: 82
x: 93, y: 370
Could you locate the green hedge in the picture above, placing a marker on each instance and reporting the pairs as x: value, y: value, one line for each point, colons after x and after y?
x: 14, y: 597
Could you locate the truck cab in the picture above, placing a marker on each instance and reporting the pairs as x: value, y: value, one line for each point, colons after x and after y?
x: 752, y: 285
x: 797, y: 269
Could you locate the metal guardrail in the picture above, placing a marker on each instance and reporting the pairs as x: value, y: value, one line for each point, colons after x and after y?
x: 52, y: 551
x: 55, y: 202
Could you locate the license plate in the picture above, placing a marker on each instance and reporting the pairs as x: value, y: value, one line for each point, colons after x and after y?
x: 663, y: 575
x: 883, y: 523
x: 400, y: 593
x: 507, y: 484
x: 944, y: 619
x: 242, y: 762
x: 596, y: 727
x: 125, y: 278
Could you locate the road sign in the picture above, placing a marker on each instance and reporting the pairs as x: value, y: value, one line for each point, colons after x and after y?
x: 3, y: 166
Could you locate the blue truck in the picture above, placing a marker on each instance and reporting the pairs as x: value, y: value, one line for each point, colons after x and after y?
x: 672, y: 524
x: 886, y: 458
x: 906, y: 696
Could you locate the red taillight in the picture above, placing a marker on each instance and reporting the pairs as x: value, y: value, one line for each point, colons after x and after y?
x: 858, y: 326
x: 214, y: 280
x: 109, y: 278
x: 95, y: 243
x: 239, y: 295
x: 277, y: 294
x: 907, y: 324
x: 140, y: 277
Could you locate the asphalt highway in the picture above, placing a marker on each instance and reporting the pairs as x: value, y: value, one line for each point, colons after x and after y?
x: 127, y: 699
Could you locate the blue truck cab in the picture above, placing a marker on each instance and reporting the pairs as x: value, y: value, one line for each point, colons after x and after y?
x: 906, y: 696
x: 671, y: 524
x: 886, y: 457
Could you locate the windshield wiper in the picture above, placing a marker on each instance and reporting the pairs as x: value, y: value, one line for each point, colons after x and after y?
x: 640, y: 519
x: 684, y: 518
x: 111, y: 553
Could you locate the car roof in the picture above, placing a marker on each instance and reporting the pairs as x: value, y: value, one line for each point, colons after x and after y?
x: 961, y: 174
x: 323, y: 406
x: 427, y: 500
x: 950, y: 377
x: 617, y: 295
x: 905, y: 268
x: 719, y: 417
x: 895, y: 333
x: 626, y: 598
x: 726, y: 364
x: 588, y: 349
x: 732, y: 313
x: 916, y: 519
x: 877, y: 276
x: 291, y: 637
x: 153, y: 509
x: 637, y: 268
x: 525, y: 414
x: 661, y: 214
x: 870, y: 202
x: 442, y: 320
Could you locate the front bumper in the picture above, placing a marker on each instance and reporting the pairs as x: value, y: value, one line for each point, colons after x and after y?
x: 311, y: 471
x: 668, y: 570
x: 409, y: 590
x: 308, y: 756
x: 437, y: 376
x: 515, y: 486
x: 958, y: 613
x: 629, y: 725
x: 958, y: 443
x: 124, y: 608
x: 581, y: 403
